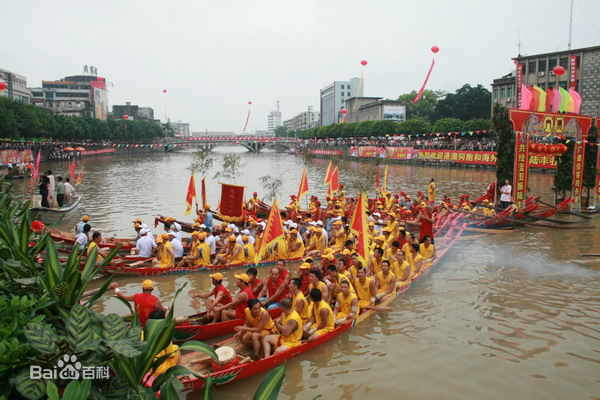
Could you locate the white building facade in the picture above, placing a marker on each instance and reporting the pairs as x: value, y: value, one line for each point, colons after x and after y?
x: 334, y: 97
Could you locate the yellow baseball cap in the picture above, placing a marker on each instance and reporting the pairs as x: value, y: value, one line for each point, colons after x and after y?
x: 170, y: 219
x: 159, y: 239
x: 244, y: 238
x: 305, y: 266
x: 137, y: 221
x: 346, y: 252
x: 218, y: 276
x: 196, y: 234
x: 202, y: 235
x: 164, y: 236
x: 380, y: 238
x: 231, y: 238
x: 147, y: 284
x: 329, y: 256
x: 85, y: 218
x: 241, y: 277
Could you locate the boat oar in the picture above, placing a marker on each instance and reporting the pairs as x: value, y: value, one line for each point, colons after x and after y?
x: 377, y: 308
x: 590, y: 255
x: 567, y: 211
x: 140, y: 262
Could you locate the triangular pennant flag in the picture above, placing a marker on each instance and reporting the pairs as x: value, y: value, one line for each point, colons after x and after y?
x: 556, y: 100
x: 303, y: 189
x: 358, y: 226
x: 576, y: 100
x: 273, y: 231
x: 526, y: 98
x: 191, y: 193
x: 328, y: 174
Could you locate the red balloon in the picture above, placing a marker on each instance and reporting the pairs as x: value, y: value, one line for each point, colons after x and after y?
x: 249, y: 102
x: 558, y: 70
x: 164, y: 90
x: 125, y: 116
x: 363, y: 63
x: 2, y: 86
x: 344, y: 111
x: 435, y: 49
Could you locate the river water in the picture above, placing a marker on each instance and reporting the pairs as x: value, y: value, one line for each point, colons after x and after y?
x: 508, y: 315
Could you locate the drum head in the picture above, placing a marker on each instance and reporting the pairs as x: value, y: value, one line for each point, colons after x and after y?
x: 226, y: 354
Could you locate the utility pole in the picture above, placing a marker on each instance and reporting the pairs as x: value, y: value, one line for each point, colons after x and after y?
x: 570, y: 25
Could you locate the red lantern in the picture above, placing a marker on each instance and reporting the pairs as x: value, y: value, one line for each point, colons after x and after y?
x: 344, y: 111
x: 164, y: 90
x: 363, y: 63
x: 532, y: 147
x: 564, y: 148
x: 558, y: 70
x: 125, y: 116
x: 540, y: 148
x: 2, y: 86
x: 551, y: 149
x: 435, y: 49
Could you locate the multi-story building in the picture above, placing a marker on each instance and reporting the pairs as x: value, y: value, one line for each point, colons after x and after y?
x: 582, y: 74
x: 374, y: 109
x: 132, y: 111
x: 303, y: 121
x: 16, y: 86
x: 333, y: 99
x: 273, y: 120
x: 78, y: 95
x: 180, y: 128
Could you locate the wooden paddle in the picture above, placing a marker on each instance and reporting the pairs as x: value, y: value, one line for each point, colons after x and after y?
x: 377, y: 308
x: 136, y: 263
x: 590, y: 255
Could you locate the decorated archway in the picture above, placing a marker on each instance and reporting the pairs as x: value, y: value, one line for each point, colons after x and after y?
x: 527, y: 124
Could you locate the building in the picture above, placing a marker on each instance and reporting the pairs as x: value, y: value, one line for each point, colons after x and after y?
x: 273, y: 120
x: 16, y: 86
x: 582, y: 74
x: 78, y: 95
x: 180, y: 128
x: 333, y: 99
x: 132, y: 111
x: 374, y: 109
x: 303, y: 121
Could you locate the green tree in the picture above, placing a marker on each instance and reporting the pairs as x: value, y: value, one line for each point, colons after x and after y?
x: 231, y: 167
x: 505, y: 145
x: 591, y: 157
x: 448, y: 125
x: 424, y: 108
x: 414, y: 126
x: 282, y: 131
x: 271, y: 186
x: 478, y: 124
x: 467, y: 103
x: 383, y: 128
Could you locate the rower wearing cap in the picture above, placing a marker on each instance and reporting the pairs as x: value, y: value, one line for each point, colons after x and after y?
x: 220, y: 293
x: 144, y: 302
x: 226, y: 253
x: 321, y: 315
x: 258, y: 325
x: 295, y: 245
x: 79, y: 227
x: 145, y: 245
x: 253, y: 203
x: 290, y: 327
x: 237, y: 307
x: 165, y: 257
x: 193, y: 257
x: 346, y: 304
x: 299, y: 300
x: 385, y: 281
x: 304, y: 269
x: 488, y: 208
x: 317, y: 243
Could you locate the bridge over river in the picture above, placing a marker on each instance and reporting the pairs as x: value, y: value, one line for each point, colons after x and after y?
x: 252, y: 143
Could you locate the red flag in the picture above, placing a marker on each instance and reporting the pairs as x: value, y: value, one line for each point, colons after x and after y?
x: 535, y: 101
x: 232, y: 202
x: 79, y: 177
x: 191, y: 193
x: 36, y: 172
x: 334, y: 182
x: 549, y: 98
x: 203, y: 193
x: 358, y: 226
x: 273, y: 231
x: 328, y: 174
x: 303, y: 189
x: 424, y: 83
x: 72, y: 170
x: 377, y: 177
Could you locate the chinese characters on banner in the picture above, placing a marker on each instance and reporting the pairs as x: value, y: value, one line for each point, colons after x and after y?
x: 578, y: 162
x: 521, y: 167
x: 573, y: 72
x: 519, y: 83
x: 322, y: 152
x: 15, y: 156
x: 232, y: 201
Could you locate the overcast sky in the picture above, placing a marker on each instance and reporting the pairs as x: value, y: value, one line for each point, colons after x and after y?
x: 215, y: 56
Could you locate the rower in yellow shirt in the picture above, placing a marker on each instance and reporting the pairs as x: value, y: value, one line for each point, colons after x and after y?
x: 416, y: 261
x: 427, y: 251
x: 385, y: 281
x: 96, y: 240
x: 299, y: 302
x: 346, y: 305
x: 321, y: 318
x: 258, y: 325
x: 237, y: 254
x: 338, y: 236
x: 290, y: 329
x: 295, y: 245
x: 164, y: 250
x: 365, y: 289
x: 431, y: 191
x: 375, y: 261
x: 401, y: 269
x: 249, y: 250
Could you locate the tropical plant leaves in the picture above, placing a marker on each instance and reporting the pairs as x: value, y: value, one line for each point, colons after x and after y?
x: 52, y: 391
x: 80, y: 335
x: 196, y: 345
x: 113, y: 327
x: 41, y: 337
x: 29, y: 388
x: 271, y: 384
x: 124, y: 347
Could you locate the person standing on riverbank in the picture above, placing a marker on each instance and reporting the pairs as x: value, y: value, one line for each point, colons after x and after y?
x: 51, y: 189
x: 505, y: 194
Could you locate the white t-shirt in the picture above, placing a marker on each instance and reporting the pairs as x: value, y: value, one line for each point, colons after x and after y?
x: 177, y: 247
x: 212, y: 243
x: 506, y: 192
x: 145, y: 245
x: 69, y: 189
x: 81, y: 240
x: 51, y: 185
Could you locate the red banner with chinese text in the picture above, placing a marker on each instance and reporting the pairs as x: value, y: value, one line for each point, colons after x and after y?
x: 458, y: 156
x: 521, y: 167
x: 573, y: 72
x: 15, y: 156
x: 578, y: 163
x: 519, y: 83
x: 232, y: 201
x: 401, y: 153
x: 322, y: 152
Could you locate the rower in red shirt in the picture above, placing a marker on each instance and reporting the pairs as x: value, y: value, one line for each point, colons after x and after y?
x: 220, y: 293
x: 273, y: 290
x: 255, y: 283
x: 236, y: 308
x: 426, y: 218
x: 144, y: 302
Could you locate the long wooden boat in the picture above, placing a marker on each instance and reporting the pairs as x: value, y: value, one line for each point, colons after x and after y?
x: 202, y: 365
x: 148, y: 270
x: 194, y: 329
x: 69, y: 238
x: 548, y: 212
x: 52, y: 215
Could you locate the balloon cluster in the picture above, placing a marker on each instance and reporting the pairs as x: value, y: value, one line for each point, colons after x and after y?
x: 548, y: 148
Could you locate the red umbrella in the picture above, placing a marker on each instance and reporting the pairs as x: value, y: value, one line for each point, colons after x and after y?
x: 79, y: 149
x: 68, y: 148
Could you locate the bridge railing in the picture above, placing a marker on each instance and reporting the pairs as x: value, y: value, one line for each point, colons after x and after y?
x: 262, y: 139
